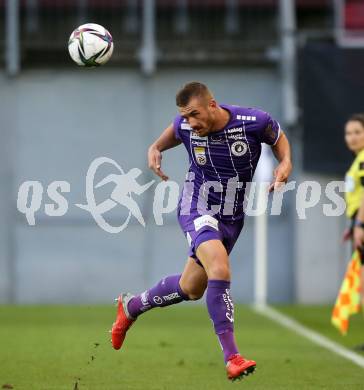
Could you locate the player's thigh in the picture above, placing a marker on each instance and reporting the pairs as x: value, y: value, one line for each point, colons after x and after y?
x: 193, y: 279
x: 215, y: 259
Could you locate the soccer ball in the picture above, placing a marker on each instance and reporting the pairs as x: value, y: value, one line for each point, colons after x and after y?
x: 90, y: 45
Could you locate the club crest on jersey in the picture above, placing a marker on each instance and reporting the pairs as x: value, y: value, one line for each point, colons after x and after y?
x: 200, y: 155
x: 239, y: 148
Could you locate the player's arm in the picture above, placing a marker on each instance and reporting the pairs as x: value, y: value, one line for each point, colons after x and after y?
x: 166, y: 140
x: 282, y: 152
x: 358, y: 233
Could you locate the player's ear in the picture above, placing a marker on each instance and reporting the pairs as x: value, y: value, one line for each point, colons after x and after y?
x: 212, y: 103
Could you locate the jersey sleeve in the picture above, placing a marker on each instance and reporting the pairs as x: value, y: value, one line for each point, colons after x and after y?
x: 176, y: 127
x: 270, y: 130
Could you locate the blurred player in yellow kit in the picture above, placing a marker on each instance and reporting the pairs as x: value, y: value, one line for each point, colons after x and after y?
x: 354, y: 189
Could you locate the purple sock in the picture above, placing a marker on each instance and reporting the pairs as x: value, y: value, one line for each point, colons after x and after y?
x: 166, y: 292
x: 228, y: 344
x: 221, y: 310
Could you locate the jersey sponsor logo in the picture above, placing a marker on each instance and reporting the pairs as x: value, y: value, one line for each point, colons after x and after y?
x: 239, y: 148
x: 246, y: 118
x: 171, y: 296
x: 217, y: 139
x: 199, y: 143
x: 205, y: 220
x: 185, y: 126
x: 200, y: 155
x: 196, y: 136
x: 235, y: 130
x: 235, y: 136
x: 157, y: 300
x: 201, y: 160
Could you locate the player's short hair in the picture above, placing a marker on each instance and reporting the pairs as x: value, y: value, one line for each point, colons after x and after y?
x: 359, y: 117
x: 191, y: 90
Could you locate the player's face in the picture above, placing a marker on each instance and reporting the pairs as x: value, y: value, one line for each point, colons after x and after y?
x: 200, y: 115
x: 354, y: 136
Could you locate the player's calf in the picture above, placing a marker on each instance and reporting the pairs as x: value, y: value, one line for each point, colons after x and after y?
x: 166, y: 292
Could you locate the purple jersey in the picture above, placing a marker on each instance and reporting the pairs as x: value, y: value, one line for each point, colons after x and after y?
x: 222, y: 163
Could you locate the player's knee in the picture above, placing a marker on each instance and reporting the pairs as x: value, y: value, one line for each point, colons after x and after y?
x: 218, y: 267
x: 215, y: 260
x: 194, y: 293
x: 195, y: 297
x: 219, y: 271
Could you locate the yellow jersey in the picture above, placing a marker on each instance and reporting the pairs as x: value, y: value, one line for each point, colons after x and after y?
x: 354, y: 185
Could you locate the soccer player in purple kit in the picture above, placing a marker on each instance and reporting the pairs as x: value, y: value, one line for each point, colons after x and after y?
x: 224, y: 145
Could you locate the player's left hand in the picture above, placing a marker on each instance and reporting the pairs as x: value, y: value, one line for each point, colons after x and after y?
x: 358, y: 237
x: 347, y: 235
x: 281, y: 174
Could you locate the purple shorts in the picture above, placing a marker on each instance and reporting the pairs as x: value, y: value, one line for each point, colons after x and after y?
x: 203, y: 228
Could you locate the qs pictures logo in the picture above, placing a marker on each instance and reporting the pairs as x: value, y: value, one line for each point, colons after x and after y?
x: 126, y: 187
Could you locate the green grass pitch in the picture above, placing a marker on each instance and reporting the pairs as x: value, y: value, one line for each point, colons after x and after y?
x: 67, y: 347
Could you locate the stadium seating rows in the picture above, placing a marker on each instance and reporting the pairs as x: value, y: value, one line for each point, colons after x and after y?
x: 173, y: 3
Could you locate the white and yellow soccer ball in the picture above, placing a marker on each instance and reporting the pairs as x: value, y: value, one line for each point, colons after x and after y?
x: 90, y: 45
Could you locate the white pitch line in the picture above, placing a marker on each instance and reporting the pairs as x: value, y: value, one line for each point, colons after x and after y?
x: 311, y: 335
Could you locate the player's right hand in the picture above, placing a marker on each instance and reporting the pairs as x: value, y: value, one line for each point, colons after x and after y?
x: 154, y: 162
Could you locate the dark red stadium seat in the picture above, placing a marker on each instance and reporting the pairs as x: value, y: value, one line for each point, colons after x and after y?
x: 354, y: 15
